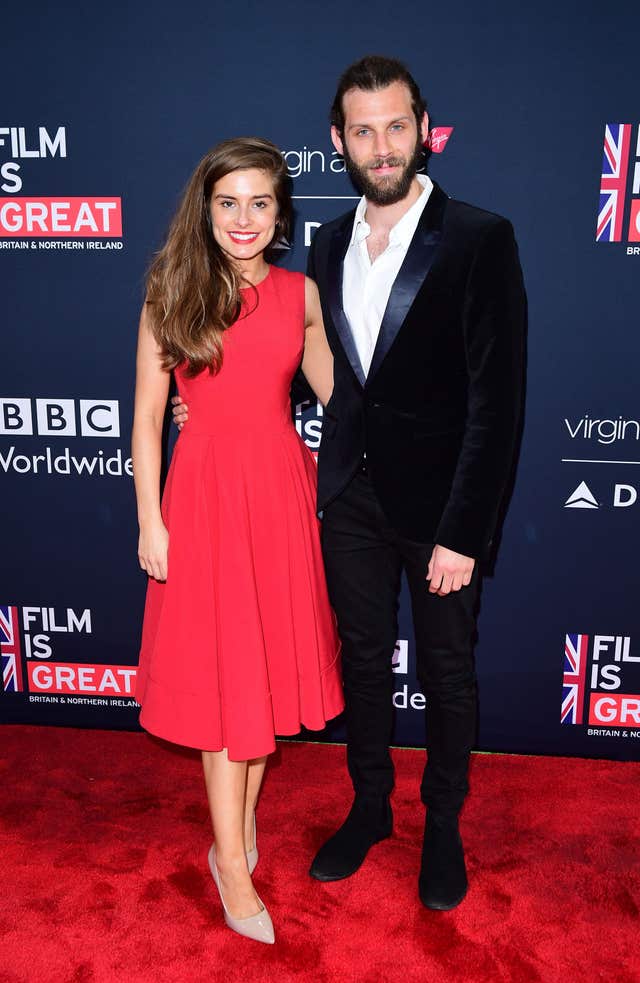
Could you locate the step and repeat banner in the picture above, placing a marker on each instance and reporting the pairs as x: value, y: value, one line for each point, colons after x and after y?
x: 106, y: 111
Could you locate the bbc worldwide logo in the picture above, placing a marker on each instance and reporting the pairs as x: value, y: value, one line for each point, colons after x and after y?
x: 54, y: 418
x: 619, y: 182
x: 60, y: 417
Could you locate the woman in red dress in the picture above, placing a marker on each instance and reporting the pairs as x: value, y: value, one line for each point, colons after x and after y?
x: 239, y: 641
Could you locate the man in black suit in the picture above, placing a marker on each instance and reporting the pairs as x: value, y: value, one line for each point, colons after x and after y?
x: 424, y: 309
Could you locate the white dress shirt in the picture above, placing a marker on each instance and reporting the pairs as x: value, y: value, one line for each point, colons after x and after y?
x: 366, y: 286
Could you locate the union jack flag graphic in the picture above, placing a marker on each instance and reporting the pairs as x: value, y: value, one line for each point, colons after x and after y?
x: 575, y: 669
x: 615, y: 161
x: 10, y: 650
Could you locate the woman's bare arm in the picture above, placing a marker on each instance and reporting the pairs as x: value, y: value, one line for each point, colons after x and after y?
x: 152, y: 389
x: 317, y: 361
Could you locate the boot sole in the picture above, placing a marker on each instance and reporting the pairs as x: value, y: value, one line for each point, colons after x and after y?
x: 440, y: 906
x: 325, y: 878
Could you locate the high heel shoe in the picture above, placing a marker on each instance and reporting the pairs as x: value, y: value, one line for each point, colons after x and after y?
x: 258, y: 926
x: 252, y: 855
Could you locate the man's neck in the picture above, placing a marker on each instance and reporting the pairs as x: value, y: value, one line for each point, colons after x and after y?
x: 382, y: 218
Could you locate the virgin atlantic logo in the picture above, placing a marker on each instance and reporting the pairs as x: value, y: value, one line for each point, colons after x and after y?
x: 438, y: 138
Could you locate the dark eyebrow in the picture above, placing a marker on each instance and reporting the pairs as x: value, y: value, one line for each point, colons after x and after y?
x: 360, y: 126
x: 253, y: 197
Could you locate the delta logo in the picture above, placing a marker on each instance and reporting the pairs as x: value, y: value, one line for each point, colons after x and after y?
x: 582, y: 497
x: 619, y: 185
x: 601, y: 681
x: 29, y: 637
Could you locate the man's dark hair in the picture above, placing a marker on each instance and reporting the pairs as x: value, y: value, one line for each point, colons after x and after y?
x: 371, y: 73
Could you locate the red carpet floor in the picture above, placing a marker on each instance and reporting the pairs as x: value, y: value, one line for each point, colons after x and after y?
x: 104, y: 873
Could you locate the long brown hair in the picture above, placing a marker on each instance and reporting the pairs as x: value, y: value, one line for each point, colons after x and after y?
x: 193, y: 288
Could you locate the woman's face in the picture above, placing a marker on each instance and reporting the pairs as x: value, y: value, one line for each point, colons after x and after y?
x: 243, y: 214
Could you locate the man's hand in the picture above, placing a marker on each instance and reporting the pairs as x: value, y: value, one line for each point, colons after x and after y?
x: 448, y: 571
x: 180, y: 412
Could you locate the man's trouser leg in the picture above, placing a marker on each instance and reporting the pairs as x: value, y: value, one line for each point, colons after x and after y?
x: 445, y: 629
x: 363, y: 575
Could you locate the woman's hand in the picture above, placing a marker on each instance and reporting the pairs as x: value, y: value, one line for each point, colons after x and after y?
x: 153, y: 549
x: 180, y: 412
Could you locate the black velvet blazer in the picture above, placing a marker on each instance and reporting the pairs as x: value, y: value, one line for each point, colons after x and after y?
x: 438, y: 413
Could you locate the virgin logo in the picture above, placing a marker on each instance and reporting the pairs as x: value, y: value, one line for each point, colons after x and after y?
x: 438, y: 138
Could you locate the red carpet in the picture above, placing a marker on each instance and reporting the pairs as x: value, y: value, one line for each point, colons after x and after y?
x: 105, y: 875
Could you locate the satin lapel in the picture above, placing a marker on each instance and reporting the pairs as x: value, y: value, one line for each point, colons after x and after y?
x: 335, y: 268
x: 412, y: 274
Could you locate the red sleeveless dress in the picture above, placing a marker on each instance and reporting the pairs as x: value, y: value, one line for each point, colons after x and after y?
x: 240, y: 643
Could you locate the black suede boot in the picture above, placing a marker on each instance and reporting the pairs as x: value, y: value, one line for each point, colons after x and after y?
x: 369, y: 821
x: 443, y: 876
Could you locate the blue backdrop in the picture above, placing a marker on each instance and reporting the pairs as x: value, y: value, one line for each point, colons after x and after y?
x: 106, y: 111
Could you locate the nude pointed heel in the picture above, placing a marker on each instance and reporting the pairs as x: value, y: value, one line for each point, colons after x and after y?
x: 258, y: 926
x: 252, y: 855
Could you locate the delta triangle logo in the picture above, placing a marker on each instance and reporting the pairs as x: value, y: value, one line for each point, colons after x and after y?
x: 581, y: 498
x: 280, y: 243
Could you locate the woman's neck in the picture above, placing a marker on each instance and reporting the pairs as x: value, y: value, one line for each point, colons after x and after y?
x: 254, y: 271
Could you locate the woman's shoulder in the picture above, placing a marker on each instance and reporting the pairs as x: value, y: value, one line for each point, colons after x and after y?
x: 290, y: 285
x: 288, y: 277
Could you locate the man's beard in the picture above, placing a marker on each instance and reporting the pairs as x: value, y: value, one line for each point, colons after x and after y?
x: 390, y: 189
